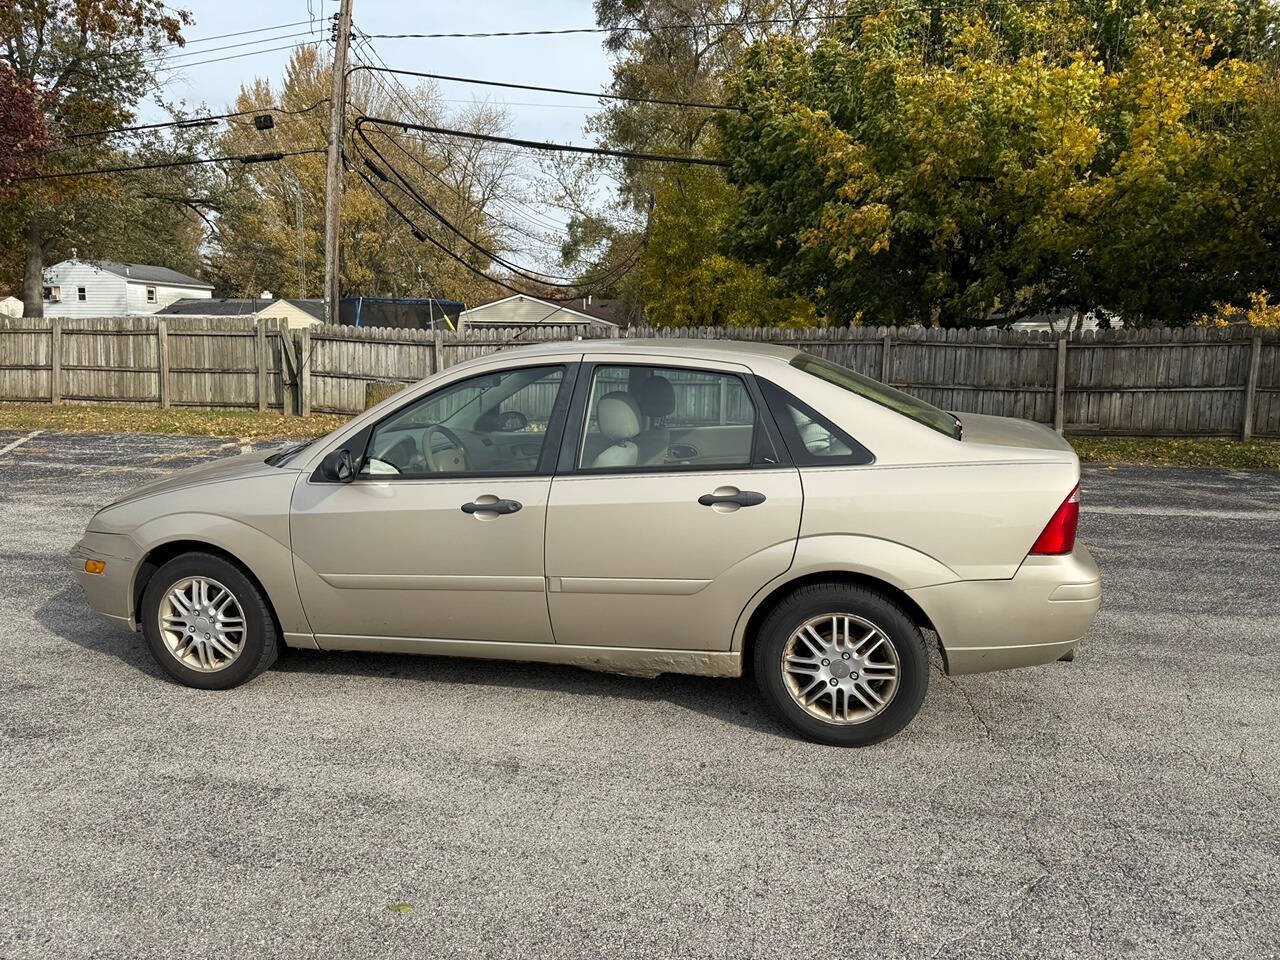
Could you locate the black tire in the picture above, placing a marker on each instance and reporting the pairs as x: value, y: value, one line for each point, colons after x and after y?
x: 261, y: 643
x: 816, y: 600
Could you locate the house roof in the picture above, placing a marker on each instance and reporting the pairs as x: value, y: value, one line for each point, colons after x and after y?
x: 145, y: 273
x: 556, y: 312
x: 312, y: 308
x: 206, y: 307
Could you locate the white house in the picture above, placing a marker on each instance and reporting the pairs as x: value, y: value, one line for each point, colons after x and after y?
x: 103, y: 288
x: 10, y: 307
x: 522, y: 311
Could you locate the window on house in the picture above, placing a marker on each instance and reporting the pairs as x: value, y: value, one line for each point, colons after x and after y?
x: 151, y: 294
x: 53, y: 294
x: 80, y: 294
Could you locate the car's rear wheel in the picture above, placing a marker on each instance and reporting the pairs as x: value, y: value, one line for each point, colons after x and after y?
x: 842, y: 664
x: 207, y: 624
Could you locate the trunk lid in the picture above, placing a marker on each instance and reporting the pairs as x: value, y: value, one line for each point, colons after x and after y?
x: 981, y: 428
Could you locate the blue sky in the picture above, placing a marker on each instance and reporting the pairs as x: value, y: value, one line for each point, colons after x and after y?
x: 574, y: 61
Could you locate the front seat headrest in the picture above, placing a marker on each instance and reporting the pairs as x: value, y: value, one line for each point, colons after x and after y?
x: 618, y: 415
x: 657, y: 397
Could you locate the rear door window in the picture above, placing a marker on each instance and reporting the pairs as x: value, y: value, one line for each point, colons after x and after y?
x: 655, y: 418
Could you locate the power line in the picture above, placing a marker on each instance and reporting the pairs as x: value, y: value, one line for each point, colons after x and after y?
x: 234, y: 56
x: 574, y: 93
x: 398, y: 92
x: 534, y: 276
x: 775, y: 21
x: 170, y: 57
x: 710, y: 25
x: 242, y: 33
x: 418, y: 162
x: 423, y: 237
x: 194, y: 121
x: 244, y: 158
x: 543, y: 145
x: 157, y: 54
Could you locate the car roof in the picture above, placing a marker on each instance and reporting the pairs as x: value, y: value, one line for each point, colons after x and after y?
x: 738, y: 351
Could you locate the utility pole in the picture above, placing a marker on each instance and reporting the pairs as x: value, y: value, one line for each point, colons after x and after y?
x: 333, y: 176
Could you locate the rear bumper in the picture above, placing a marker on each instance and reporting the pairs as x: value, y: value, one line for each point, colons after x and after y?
x: 108, y: 592
x: 1035, y: 617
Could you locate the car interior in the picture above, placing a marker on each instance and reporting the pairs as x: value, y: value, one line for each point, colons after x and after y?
x: 640, y: 416
x: 494, y: 423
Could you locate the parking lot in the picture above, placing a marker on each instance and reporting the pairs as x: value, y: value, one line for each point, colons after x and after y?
x: 1126, y: 804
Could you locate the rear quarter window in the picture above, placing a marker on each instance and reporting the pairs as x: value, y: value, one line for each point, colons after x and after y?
x: 911, y: 407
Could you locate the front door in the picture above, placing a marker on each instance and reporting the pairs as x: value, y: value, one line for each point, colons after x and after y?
x: 671, y: 512
x: 440, y: 536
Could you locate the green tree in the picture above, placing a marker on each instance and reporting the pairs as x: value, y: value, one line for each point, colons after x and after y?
x: 675, y: 50
x: 973, y: 165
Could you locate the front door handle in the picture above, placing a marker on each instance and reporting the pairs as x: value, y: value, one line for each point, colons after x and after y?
x: 742, y: 498
x: 489, y: 504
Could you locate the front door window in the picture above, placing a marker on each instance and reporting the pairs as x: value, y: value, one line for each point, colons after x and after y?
x: 492, y: 424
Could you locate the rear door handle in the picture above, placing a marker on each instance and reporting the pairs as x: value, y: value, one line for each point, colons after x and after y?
x: 492, y: 505
x: 743, y: 498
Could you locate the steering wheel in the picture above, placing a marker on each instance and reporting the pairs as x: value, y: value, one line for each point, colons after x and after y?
x: 453, y: 461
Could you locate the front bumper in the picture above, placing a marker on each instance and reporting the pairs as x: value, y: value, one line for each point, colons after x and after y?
x: 1035, y: 617
x: 110, y: 592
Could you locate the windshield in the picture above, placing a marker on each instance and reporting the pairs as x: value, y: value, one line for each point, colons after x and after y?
x: 883, y: 394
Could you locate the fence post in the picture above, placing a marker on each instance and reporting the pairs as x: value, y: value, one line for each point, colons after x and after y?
x: 1060, y: 388
x: 260, y: 343
x: 55, y: 361
x: 1251, y: 386
x: 884, y: 355
x: 436, y: 337
x: 287, y: 391
x: 162, y: 362
x: 304, y: 373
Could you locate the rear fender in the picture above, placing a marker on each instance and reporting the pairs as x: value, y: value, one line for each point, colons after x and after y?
x: 893, y: 563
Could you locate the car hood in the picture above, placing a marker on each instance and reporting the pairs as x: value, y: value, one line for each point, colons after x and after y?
x: 232, y: 468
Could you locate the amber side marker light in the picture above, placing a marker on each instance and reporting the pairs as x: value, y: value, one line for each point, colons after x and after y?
x: 95, y: 566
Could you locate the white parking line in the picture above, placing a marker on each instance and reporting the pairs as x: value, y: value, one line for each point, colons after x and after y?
x: 1174, y: 512
x: 19, y: 442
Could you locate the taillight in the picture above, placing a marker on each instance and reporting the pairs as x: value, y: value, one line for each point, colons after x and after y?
x: 1059, y: 535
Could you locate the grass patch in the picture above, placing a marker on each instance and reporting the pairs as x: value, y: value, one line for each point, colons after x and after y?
x: 245, y: 425
x: 1179, y: 452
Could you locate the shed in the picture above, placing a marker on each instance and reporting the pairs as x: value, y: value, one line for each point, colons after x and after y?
x: 520, y: 310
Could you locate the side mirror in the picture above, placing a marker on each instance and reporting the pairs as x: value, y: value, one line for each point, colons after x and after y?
x: 337, y: 467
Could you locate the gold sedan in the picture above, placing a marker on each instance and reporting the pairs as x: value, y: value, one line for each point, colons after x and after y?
x: 632, y: 506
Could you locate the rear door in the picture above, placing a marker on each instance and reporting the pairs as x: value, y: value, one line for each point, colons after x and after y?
x: 665, y: 518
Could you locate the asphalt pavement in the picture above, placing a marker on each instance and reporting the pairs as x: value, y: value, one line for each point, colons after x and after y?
x: 354, y: 805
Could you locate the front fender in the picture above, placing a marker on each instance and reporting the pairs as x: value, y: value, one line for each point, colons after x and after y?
x: 894, y: 563
x: 269, y: 560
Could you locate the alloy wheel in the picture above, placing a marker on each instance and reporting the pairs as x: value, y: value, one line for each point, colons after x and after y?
x: 202, y: 624
x: 840, y: 668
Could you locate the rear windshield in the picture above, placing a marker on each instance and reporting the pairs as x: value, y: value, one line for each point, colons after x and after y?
x: 877, y: 392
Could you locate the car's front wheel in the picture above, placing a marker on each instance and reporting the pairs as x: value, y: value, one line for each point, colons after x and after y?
x: 207, y: 624
x: 842, y: 664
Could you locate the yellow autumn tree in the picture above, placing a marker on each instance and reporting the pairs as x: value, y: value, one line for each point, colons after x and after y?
x: 271, y: 232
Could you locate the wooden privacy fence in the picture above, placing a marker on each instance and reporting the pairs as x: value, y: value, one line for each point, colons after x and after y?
x: 1190, y: 382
